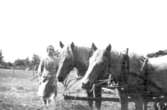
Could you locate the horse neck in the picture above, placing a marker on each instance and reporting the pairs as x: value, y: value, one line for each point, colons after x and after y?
x: 115, y: 65
x: 135, y: 63
x: 81, y: 59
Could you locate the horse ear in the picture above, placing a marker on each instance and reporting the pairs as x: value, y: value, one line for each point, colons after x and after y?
x: 72, y: 45
x: 108, y: 49
x: 93, y: 47
x: 61, y: 44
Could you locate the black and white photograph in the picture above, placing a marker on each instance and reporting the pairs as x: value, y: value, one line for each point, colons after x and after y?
x: 83, y: 55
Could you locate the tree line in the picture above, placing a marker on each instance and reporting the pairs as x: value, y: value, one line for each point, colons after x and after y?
x: 25, y: 63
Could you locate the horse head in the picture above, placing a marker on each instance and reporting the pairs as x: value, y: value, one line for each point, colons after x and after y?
x: 66, y: 61
x: 73, y: 56
x: 98, y: 67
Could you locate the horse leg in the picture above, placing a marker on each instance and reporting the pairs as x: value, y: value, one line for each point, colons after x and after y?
x: 55, y: 103
x: 124, y: 100
x: 157, y: 106
x: 139, y: 102
x: 90, y: 102
x: 98, y: 93
x: 45, y: 102
x: 161, y: 105
x: 145, y: 105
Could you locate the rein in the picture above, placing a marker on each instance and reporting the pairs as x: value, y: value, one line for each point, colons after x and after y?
x: 108, y: 80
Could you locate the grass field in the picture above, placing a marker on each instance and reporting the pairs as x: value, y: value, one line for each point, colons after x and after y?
x: 18, y: 91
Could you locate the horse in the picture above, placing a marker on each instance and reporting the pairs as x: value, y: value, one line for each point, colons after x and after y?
x: 78, y: 57
x: 137, y: 83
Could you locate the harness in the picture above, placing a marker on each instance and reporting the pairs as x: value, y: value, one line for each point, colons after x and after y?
x: 104, y: 81
x: 124, y: 69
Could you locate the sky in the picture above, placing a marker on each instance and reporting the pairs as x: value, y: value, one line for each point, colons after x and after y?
x: 27, y: 27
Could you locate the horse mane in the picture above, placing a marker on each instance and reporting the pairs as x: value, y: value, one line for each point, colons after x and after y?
x: 115, y: 62
x: 157, y: 54
x: 81, y: 56
x: 136, y: 62
x: 134, y: 59
x: 82, y: 53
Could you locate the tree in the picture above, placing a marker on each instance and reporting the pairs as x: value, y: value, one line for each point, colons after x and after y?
x: 22, y: 63
x: 19, y: 62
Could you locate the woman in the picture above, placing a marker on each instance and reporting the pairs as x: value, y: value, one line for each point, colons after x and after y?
x: 47, y: 72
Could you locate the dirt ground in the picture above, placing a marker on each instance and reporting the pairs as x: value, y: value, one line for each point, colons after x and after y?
x: 18, y: 91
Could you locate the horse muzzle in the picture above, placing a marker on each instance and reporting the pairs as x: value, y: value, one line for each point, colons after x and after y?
x: 60, y: 79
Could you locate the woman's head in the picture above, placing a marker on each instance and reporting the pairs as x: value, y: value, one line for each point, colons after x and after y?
x: 50, y: 50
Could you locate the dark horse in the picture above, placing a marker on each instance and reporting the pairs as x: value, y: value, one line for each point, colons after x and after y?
x: 105, y: 61
x: 74, y: 56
